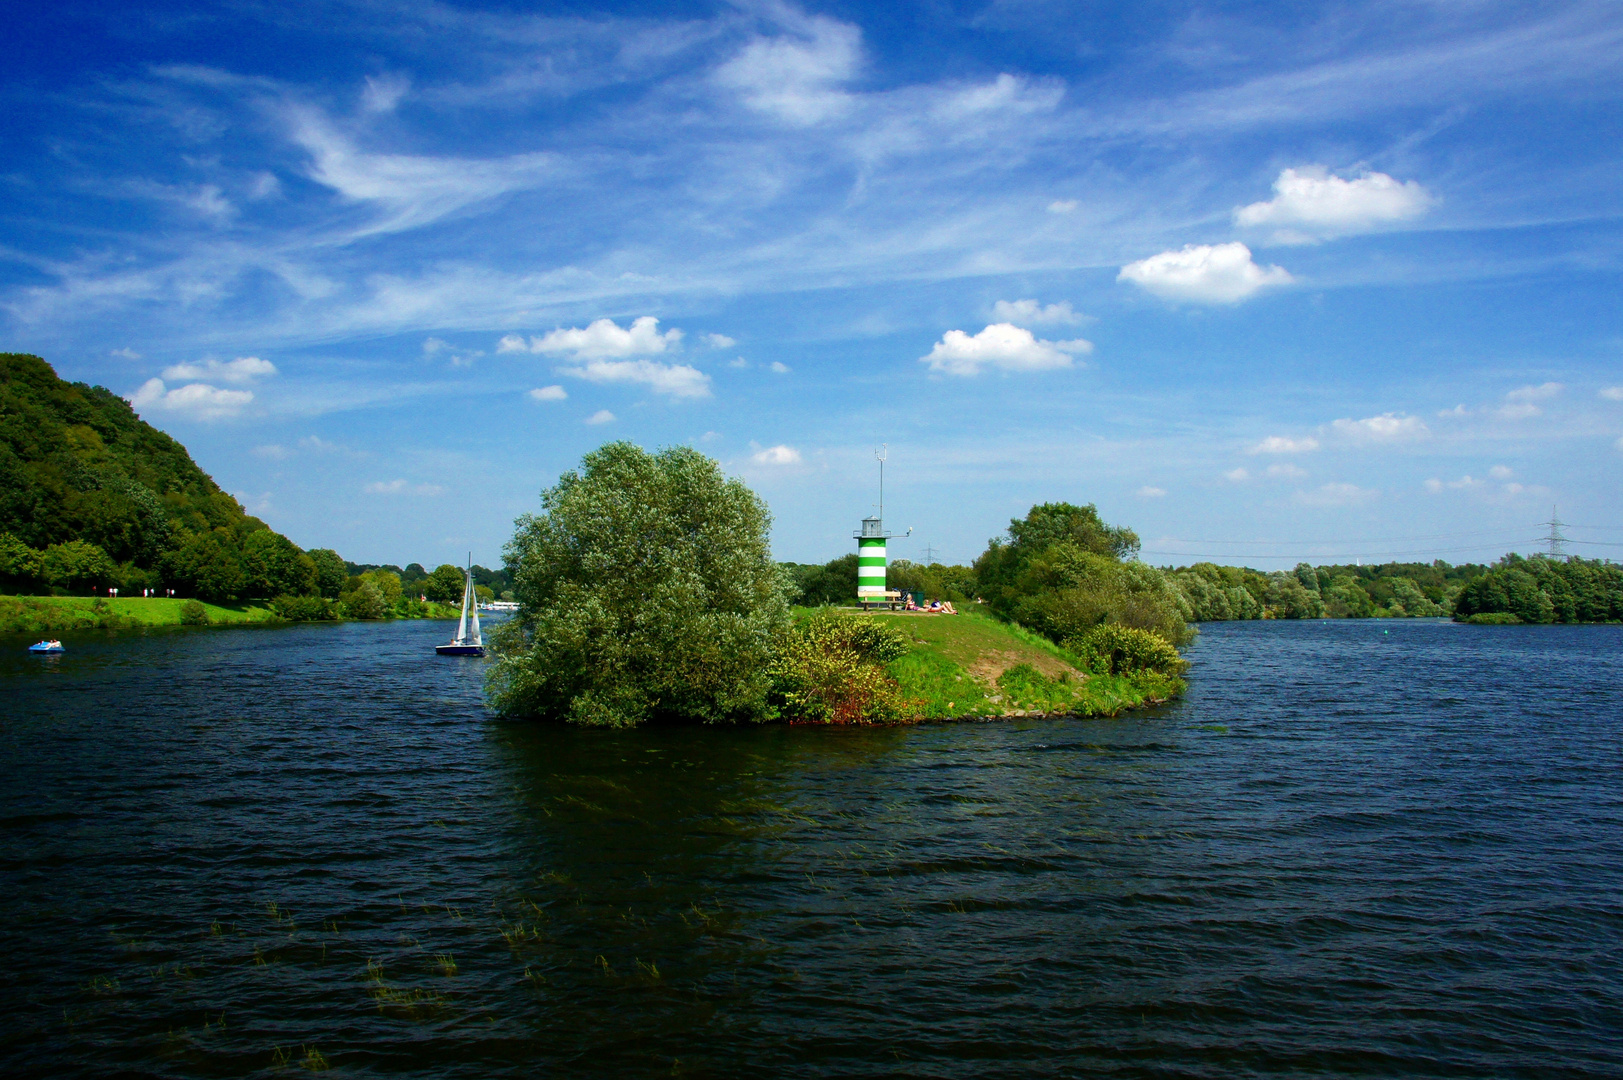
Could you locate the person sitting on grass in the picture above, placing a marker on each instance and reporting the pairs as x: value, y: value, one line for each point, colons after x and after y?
x: 947, y: 608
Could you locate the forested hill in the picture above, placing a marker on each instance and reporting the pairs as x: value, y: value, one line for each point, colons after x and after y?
x: 92, y: 495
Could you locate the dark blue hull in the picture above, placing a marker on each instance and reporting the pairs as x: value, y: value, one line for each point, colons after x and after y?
x: 460, y: 650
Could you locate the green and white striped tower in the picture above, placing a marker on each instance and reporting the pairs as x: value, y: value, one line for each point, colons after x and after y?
x: 871, y: 562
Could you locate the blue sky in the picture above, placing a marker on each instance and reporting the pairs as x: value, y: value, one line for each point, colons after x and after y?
x: 1264, y: 281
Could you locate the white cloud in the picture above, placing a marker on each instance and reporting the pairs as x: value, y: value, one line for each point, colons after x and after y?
x: 400, y: 487
x: 778, y: 455
x: 131, y: 354
x: 675, y: 380
x: 1149, y: 492
x: 1501, y: 472
x: 1542, y: 392
x: 601, y: 416
x: 1032, y: 312
x: 383, y: 92
x: 719, y: 341
x: 1619, y: 444
x: 198, y: 401
x: 411, y: 190
x: 1387, y: 427
x: 1311, y: 204
x: 272, y: 451
x: 604, y: 338
x: 1455, y: 412
x: 1464, y: 483
x: 1520, y: 410
x: 1001, y: 345
x: 738, y: 363
x: 796, y: 79
x: 1612, y: 393
x: 1204, y: 273
x: 434, y: 345
x: 511, y: 343
x: 1237, y: 476
x: 1285, y: 470
x: 1281, y: 444
x: 239, y: 372
x: 1336, y: 495
x: 1062, y: 206
x: 549, y: 393
x: 710, y: 436
x: 779, y: 367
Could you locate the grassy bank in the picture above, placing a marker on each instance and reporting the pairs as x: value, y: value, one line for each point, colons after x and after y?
x: 54, y: 614
x: 971, y: 666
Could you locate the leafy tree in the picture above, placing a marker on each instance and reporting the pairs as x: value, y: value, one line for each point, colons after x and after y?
x: 76, y: 565
x: 365, y: 601
x: 19, y: 564
x: 830, y: 670
x: 646, y: 591
x: 273, y: 566
x: 209, y: 566
x: 330, y: 573
x: 445, y: 585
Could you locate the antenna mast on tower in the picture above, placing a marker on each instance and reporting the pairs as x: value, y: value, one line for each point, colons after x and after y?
x: 881, y: 452
x: 1556, y: 539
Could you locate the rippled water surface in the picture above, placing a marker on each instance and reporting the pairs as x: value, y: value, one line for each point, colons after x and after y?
x: 1357, y: 849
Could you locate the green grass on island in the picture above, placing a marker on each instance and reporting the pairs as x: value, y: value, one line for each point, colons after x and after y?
x: 970, y: 665
x: 54, y: 614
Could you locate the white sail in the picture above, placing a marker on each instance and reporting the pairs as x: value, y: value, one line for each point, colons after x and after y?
x: 462, y: 627
x: 474, y: 591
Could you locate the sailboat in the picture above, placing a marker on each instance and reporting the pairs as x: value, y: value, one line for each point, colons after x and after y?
x: 465, y: 643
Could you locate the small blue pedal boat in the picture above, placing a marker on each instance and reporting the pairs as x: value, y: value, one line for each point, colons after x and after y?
x: 51, y: 646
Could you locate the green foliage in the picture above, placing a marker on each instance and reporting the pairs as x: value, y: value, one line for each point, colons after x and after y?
x: 1122, y: 650
x: 19, y: 564
x: 331, y: 577
x: 305, y: 608
x: 76, y: 566
x: 445, y: 585
x: 1004, y: 571
x: 273, y: 566
x: 1542, y: 590
x: 935, y: 581
x: 835, y: 582
x: 830, y: 669
x: 1215, y: 593
x: 1492, y: 618
x: 646, y: 591
x: 193, y: 613
x: 365, y: 601
x: 209, y: 565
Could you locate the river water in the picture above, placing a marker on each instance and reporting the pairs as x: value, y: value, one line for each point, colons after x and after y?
x: 1386, y: 848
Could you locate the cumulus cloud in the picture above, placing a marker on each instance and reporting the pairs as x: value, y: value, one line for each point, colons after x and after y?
x: 1387, y: 427
x: 198, y: 401
x: 779, y: 367
x: 511, y: 343
x: 401, y: 487
x: 549, y: 393
x: 777, y: 455
x: 1001, y: 345
x: 1520, y: 402
x: 740, y: 362
x: 131, y: 354
x: 601, y: 416
x: 1237, y: 476
x: 1281, y: 444
x: 719, y: 341
x: 1341, y: 494
x: 1285, y: 470
x: 674, y: 380
x: 796, y: 77
x: 1033, y: 313
x: 242, y: 371
x: 1149, y: 492
x: 605, y: 338
x: 1612, y: 393
x: 1062, y: 206
x: 1501, y: 472
x: 1312, y: 204
x: 1204, y: 274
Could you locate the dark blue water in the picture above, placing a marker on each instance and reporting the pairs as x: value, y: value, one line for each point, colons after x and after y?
x: 1358, y: 849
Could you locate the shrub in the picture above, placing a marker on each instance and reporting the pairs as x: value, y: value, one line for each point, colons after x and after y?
x: 304, y: 608
x: 646, y: 590
x: 1121, y: 650
x: 365, y: 602
x: 193, y: 613
x: 829, y: 669
x: 1493, y: 618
